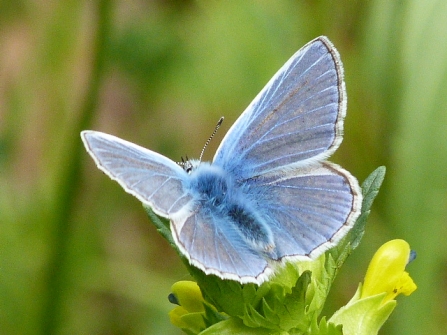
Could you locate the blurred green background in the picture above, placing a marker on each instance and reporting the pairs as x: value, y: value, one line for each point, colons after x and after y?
x: 79, y: 256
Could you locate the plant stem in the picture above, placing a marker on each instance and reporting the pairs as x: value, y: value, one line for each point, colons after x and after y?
x: 68, y: 186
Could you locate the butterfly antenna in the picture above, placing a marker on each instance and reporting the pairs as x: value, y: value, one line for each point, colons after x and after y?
x: 219, y: 123
x: 183, y: 162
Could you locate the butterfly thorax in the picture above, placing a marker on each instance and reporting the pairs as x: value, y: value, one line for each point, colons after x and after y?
x: 210, y: 183
x: 223, y: 197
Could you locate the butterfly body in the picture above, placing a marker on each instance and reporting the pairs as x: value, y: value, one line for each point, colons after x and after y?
x: 269, y: 195
x: 219, y: 195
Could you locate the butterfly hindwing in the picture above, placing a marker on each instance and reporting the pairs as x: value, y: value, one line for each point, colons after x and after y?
x: 309, y: 209
x: 296, y: 118
x: 211, y: 244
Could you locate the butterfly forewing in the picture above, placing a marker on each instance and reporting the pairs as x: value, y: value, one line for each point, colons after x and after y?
x: 154, y: 179
x: 296, y: 118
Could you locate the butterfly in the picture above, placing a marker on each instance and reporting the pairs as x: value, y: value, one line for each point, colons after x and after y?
x: 269, y: 196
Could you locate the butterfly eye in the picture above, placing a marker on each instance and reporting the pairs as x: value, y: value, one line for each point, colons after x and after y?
x: 187, y: 167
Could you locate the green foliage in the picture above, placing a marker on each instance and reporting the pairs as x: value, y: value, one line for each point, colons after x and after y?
x: 370, y: 189
x: 325, y: 328
x: 364, y: 314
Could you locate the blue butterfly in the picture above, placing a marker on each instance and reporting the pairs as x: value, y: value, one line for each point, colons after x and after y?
x: 269, y: 195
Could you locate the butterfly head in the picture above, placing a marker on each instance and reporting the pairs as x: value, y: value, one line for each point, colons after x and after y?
x: 189, y: 165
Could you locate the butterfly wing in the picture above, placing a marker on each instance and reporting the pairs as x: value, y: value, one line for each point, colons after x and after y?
x: 154, y: 179
x: 309, y: 210
x: 212, y: 245
x: 297, y: 118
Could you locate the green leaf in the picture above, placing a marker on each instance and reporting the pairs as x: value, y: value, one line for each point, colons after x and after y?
x: 193, y: 322
x: 227, y: 296
x: 277, y: 304
x: 235, y: 326
x: 322, y: 278
x: 212, y: 316
x: 370, y: 189
x: 363, y: 316
x: 325, y: 328
x: 162, y: 227
x: 371, y: 186
x: 292, y: 310
x: 280, y: 310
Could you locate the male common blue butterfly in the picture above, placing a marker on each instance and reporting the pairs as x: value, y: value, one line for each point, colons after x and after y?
x: 268, y: 196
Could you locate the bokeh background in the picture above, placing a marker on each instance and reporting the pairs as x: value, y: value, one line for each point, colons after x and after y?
x: 79, y: 256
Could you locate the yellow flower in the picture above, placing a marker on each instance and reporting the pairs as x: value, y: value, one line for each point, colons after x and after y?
x: 189, y: 313
x: 374, y: 301
x: 386, y: 272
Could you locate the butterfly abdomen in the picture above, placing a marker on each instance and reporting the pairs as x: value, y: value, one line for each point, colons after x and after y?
x: 252, y: 228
